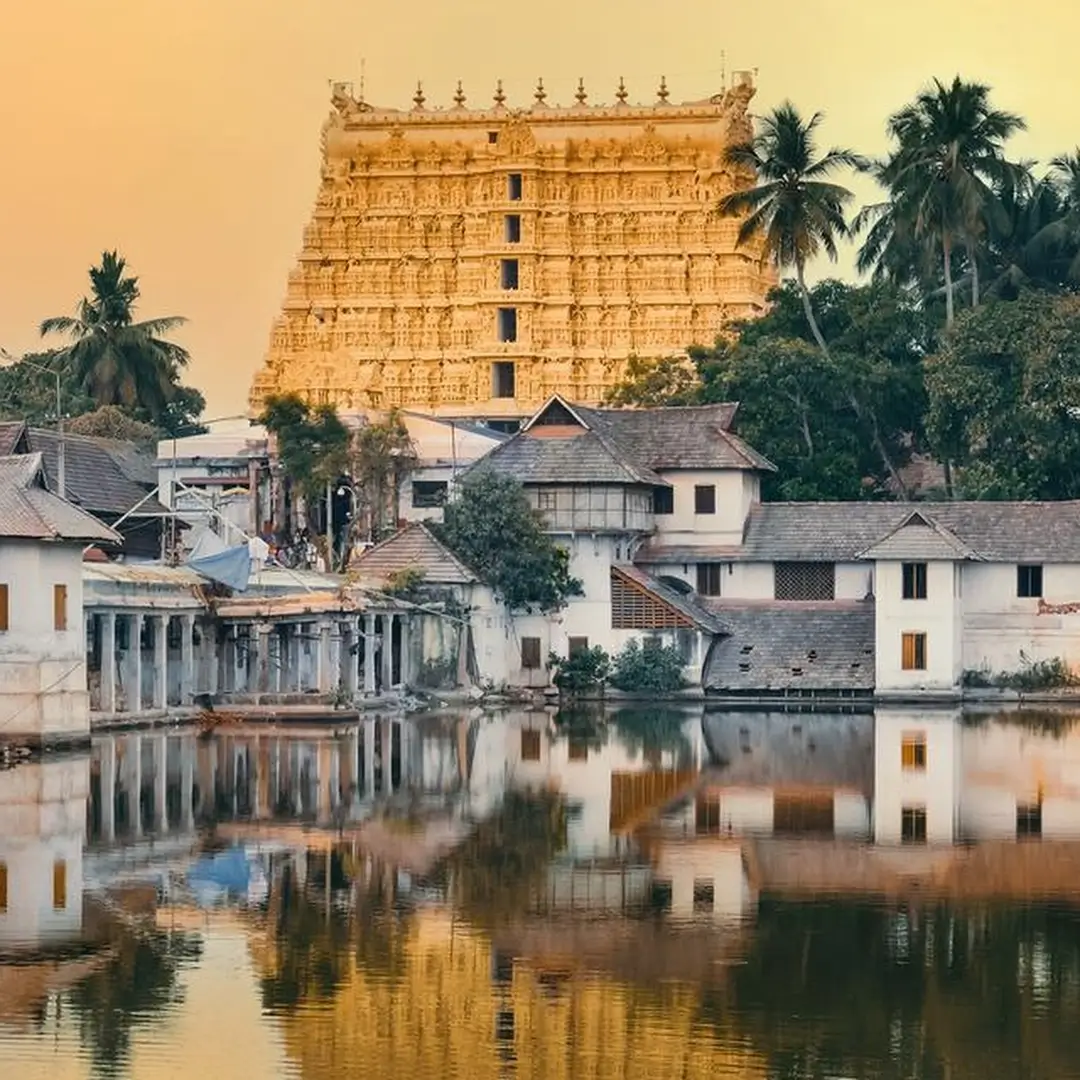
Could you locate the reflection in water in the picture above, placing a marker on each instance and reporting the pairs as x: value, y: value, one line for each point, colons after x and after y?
x: 650, y: 893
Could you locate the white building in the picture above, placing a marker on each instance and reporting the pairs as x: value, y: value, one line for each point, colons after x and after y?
x: 660, y: 511
x: 43, y: 692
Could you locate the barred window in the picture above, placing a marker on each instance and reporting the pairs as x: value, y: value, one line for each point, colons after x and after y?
x: 804, y: 581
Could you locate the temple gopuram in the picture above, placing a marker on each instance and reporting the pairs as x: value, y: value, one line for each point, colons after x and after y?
x: 471, y: 262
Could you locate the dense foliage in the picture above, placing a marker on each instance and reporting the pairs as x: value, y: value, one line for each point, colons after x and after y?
x: 648, y: 669
x: 586, y: 671
x: 492, y: 528
x: 312, y: 442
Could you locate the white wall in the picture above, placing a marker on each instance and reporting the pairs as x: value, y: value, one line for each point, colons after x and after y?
x: 736, y: 491
x: 42, y: 670
x: 42, y: 821
x: 998, y: 625
x: 711, y: 861
x: 937, y: 616
x: 937, y: 787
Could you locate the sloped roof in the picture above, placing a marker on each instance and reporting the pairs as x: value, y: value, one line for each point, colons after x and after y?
x: 920, y: 539
x: 413, y: 548
x: 104, y: 476
x: 792, y: 646
x: 685, y: 604
x: 28, y: 510
x: 10, y: 430
x: 1013, y: 532
x: 624, y: 445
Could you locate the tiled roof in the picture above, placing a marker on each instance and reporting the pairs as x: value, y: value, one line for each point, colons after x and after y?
x: 624, y: 446
x: 836, y: 531
x: 103, y: 476
x: 684, y: 603
x: 413, y: 548
x: 780, y: 646
x: 919, y: 539
x: 29, y: 511
x: 10, y: 430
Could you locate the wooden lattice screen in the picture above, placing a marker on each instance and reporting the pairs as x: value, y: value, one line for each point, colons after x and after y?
x: 634, y: 608
x: 805, y: 580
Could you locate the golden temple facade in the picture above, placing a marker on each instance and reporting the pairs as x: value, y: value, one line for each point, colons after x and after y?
x: 472, y: 262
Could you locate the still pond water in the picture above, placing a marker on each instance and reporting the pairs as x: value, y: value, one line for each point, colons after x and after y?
x: 651, y: 894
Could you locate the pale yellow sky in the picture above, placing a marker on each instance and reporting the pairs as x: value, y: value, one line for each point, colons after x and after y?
x: 185, y: 132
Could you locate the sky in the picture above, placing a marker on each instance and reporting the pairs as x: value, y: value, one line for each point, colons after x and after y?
x: 185, y: 133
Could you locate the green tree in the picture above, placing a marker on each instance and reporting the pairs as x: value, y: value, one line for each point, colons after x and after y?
x: 647, y: 383
x: 1058, y: 241
x: 381, y: 456
x: 492, y: 527
x: 1004, y: 399
x: 312, y: 442
x: 944, y: 176
x: 119, y: 361
x: 28, y: 393
x: 792, y: 207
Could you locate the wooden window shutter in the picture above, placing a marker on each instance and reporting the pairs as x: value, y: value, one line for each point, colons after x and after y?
x: 59, y: 885
x: 60, y: 619
x: 3, y: 607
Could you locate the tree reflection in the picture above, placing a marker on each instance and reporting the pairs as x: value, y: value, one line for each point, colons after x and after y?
x: 138, y: 985
x: 845, y: 989
x: 650, y: 732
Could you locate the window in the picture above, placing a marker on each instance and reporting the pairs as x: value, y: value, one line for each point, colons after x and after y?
x: 804, y: 581
x: 704, y: 894
x: 514, y: 187
x: 913, y: 824
x: 547, y: 500
x: 512, y: 229
x: 502, y: 379
x: 914, y: 580
x: 60, y: 619
x: 493, y: 137
x: 576, y: 645
x: 708, y: 578
x: 1029, y: 819
x: 704, y: 499
x: 3, y: 888
x: 428, y: 493
x: 3, y: 608
x: 530, y: 745
x: 913, y: 652
x: 507, y: 324
x: 508, y: 274
x: 59, y: 885
x: 1029, y: 581
x: 530, y: 653
x: 663, y: 500
x: 913, y: 752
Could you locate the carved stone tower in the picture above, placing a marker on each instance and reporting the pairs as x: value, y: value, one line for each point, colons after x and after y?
x: 472, y: 261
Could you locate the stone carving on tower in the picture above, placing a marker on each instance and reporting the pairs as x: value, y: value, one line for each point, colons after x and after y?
x: 473, y: 261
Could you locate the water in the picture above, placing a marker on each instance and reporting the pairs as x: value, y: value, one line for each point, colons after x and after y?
x: 658, y: 895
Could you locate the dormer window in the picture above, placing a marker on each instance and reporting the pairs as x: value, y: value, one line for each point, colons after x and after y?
x: 704, y: 498
x: 913, y: 584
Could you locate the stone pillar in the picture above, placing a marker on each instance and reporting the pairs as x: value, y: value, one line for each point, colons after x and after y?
x: 387, y: 754
x: 405, y: 675
x: 369, y: 757
x: 323, y: 674
x: 387, y: 652
x: 134, y: 750
x: 108, y: 789
x: 135, y: 699
x: 262, y: 676
x: 212, y: 651
x: 108, y: 664
x: 335, y: 656
x: 161, y: 662
x: 187, y: 658
x: 351, y: 655
x: 369, y: 653
x: 161, y: 782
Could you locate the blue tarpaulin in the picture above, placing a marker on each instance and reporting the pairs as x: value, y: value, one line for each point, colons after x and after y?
x: 231, y: 567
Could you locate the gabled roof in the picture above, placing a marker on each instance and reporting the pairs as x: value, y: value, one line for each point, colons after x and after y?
x: 29, y: 511
x: 567, y: 443
x: 920, y: 539
x: 415, y: 547
x: 684, y: 605
x: 1011, y: 532
x: 784, y: 646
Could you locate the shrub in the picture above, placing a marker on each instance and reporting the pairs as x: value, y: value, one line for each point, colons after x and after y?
x: 650, y: 668
x: 585, y: 670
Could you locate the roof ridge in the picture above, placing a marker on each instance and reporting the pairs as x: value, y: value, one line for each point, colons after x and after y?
x: 951, y: 539
x: 745, y: 450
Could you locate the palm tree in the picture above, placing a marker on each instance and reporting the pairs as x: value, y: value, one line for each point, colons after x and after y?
x: 119, y: 361
x: 942, y: 177
x: 796, y: 211
x: 1059, y: 240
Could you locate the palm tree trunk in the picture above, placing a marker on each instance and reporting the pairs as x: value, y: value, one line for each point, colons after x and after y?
x: 808, y: 309
x: 974, y: 275
x: 946, y: 246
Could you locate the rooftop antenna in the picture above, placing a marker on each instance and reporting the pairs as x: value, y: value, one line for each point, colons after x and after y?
x: 362, y: 63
